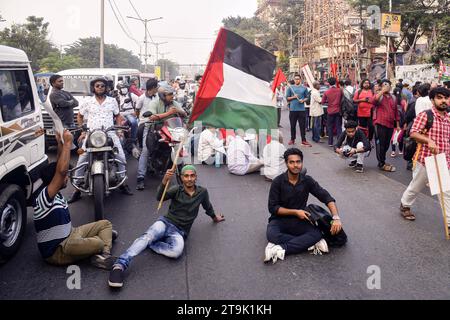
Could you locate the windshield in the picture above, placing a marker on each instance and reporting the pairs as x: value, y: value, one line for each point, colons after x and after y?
x: 79, y: 85
x: 174, y: 123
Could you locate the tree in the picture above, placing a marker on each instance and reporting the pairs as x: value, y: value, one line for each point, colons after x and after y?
x: 253, y: 30
x: 88, y: 50
x: 419, y: 18
x: 290, y: 15
x: 56, y: 62
x: 30, y: 37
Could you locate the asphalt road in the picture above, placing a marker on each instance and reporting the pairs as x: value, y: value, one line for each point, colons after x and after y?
x: 224, y: 262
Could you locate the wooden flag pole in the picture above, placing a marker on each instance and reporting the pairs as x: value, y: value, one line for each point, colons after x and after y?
x: 447, y: 235
x: 173, y: 168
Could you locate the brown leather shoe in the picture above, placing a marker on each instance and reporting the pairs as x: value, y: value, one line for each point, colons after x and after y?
x: 407, y: 214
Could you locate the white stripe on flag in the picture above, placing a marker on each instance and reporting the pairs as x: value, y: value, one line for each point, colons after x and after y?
x: 308, y: 75
x: 243, y: 87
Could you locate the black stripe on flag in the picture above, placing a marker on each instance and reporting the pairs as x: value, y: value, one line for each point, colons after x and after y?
x: 249, y: 58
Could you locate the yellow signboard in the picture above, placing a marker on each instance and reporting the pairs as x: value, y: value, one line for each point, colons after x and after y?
x: 294, y: 65
x: 158, y: 72
x: 391, y: 25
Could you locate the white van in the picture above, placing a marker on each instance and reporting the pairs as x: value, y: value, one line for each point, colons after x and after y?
x: 77, y: 82
x: 22, y: 153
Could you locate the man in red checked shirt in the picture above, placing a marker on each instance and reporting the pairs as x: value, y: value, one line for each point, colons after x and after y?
x: 436, y: 141
x: 385, y: 119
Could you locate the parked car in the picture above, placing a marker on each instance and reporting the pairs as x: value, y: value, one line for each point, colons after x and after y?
x: 22, y: 153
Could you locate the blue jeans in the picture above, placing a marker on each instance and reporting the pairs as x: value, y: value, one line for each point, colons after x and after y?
x: 132, y: 120
x: 162, y: 237
x: 317, y: 127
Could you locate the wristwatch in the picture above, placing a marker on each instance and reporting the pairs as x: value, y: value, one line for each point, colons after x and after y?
x: 335, y: 218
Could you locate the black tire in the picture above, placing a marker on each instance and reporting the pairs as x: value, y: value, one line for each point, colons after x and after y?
x: 13, y: 213
x: 99, y: 197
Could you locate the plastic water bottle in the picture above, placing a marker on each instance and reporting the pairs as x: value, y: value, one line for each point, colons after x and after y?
x: 217, y: 159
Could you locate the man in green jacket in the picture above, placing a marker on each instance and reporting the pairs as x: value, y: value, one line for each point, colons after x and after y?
x: 168, y: 234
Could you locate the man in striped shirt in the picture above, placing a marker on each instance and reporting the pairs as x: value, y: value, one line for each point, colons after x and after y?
x: 59, y: 243
x: 435, y: 141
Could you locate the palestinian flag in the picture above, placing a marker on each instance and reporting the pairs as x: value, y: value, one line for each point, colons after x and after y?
x: 235, y: 91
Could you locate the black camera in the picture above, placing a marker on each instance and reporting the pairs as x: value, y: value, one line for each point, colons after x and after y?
x: 346, y: 150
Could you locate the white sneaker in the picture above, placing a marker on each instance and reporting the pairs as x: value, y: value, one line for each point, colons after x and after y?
x: 274, y: 252
x: 268, y: 252
x: 319, y: 248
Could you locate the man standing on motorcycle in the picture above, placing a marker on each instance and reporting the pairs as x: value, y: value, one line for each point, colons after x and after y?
x: 162, y: 107
x: 127, y: 102
x: 99, y: 111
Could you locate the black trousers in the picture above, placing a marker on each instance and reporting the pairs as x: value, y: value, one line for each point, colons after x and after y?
x: 300, y: 118
x: 367, y: 123
x: 293, y: 235
x: 383, y: 136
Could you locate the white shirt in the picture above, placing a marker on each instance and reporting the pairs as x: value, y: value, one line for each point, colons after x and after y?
x: 208, y: 144
x: 239, y: 156
x: 100, y: 116
x: 423, y: 104
x: 145, y: 104
x: 127, y: 108
x: 274, y: 163
x: 316, y: 104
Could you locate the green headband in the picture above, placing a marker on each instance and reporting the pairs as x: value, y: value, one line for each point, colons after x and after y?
x: 188, y: 168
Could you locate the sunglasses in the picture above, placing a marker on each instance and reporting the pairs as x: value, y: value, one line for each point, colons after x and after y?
x: 100, y: 86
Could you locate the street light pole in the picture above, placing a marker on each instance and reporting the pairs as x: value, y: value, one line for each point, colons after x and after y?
x: 388, y: 45
x: 102, y: 35
x: 145, y: 22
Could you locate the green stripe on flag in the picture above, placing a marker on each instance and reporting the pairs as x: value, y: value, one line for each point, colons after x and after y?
x: 231, y: 114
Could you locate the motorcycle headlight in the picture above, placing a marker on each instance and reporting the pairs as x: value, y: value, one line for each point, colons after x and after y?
x: 98, y: 139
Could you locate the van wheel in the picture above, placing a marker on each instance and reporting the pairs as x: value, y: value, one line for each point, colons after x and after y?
x: 13, y: 220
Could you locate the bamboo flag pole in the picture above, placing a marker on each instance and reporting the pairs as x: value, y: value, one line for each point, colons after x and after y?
x: 173, y: 168
x: 444, y: 212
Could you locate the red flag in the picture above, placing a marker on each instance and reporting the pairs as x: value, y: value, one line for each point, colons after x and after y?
x: 279, y: 79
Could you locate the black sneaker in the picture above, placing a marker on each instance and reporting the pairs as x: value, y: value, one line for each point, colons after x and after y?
x: 359, y: 168
x: 352, y: 164
x: 115, y: 235
x: 125, y: 189
x: 116, y: 278
x: 103, y: 261
x: 140, y: 185
x: 75, y: 197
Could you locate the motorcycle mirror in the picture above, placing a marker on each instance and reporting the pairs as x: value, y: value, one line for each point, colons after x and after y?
x: 148, y: 114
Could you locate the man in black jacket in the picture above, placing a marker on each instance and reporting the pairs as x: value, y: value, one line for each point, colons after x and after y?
x: 290, y: 230
x: 62, y: 101
x: 353, y: 145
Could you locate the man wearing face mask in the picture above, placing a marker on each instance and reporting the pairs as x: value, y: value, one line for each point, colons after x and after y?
x: 127, y: 102
x: 434, y: 141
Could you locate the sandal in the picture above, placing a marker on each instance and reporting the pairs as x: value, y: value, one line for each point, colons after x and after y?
x: 407, y: 214
x: 388, y: 168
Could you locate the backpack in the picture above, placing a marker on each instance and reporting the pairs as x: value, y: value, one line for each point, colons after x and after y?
x: 322, y: 219
x: 308, y: 98
x: 410, y: 145
x: 348, y: 108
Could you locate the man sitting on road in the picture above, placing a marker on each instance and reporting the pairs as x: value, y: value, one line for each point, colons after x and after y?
x: 58, y: 242
x: 209, y: 144
x: 290, y: 231
x: 273, y: 157
x: 353, y: 145
x: 168, y: 235
x: 241, y: 160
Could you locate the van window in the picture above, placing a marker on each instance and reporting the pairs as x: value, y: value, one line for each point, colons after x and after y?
x: 16, y: 95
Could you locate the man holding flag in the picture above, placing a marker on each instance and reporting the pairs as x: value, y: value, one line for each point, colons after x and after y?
x: 277, y: 90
